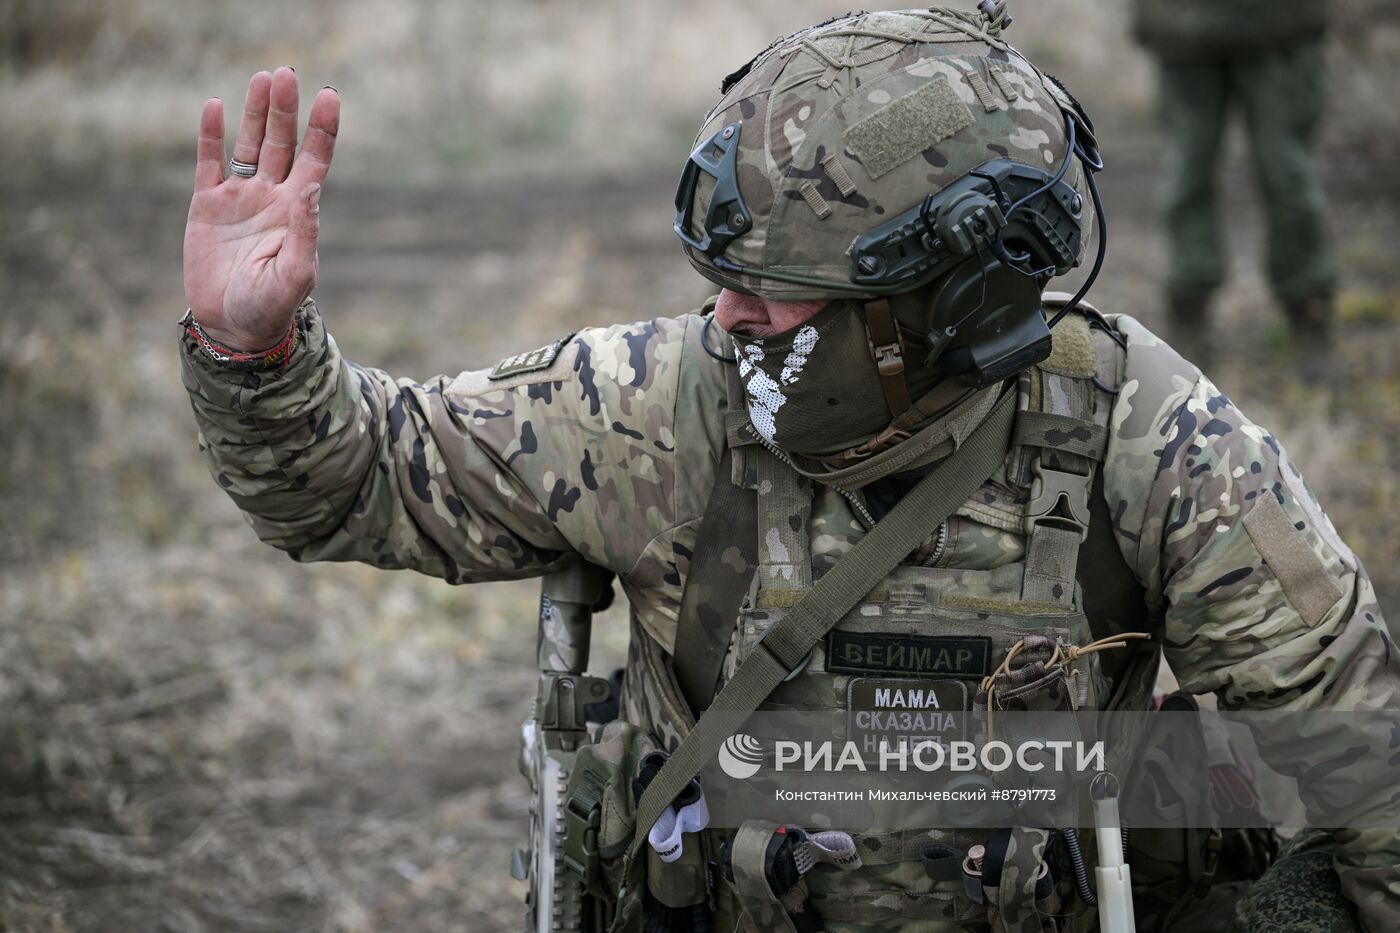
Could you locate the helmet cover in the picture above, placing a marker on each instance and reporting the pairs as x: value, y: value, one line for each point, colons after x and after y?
x: 840, y: 128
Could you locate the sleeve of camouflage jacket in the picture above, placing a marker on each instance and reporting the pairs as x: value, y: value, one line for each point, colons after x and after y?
x: 469, y: 478
x: 1263, y: 604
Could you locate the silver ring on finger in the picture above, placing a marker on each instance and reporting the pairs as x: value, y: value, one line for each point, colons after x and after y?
x: 245, y: 169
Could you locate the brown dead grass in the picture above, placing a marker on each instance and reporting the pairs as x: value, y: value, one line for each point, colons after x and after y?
x: 432, y: 87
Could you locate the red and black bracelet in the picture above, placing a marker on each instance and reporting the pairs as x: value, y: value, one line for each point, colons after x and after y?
x: 276, y: 358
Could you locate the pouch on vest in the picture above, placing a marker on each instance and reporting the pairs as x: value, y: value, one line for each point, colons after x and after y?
x: 1017, y: 887
x: 682, y: 883
x: 749, y: 861
x: 600, y: 813
x: 677, y: 856
x: 1191, y: 876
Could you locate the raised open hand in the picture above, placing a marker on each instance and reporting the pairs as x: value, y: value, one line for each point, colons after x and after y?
x: 250, y: 243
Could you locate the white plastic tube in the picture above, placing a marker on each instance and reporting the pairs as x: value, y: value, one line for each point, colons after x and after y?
x: 1112, y: 876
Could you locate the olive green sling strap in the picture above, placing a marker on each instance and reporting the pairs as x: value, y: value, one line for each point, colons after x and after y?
x: 721, y: 565
x: 788, y: 641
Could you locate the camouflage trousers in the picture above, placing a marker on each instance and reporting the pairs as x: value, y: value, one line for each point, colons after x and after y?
x: 1300, y: 893
x: 1281, y: 93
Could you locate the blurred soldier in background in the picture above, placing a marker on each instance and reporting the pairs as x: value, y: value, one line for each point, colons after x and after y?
x: 1265, y: 56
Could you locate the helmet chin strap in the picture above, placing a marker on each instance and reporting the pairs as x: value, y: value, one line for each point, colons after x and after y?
x: 890, y: 352
x: 887, y: 350
x: 900, y: 363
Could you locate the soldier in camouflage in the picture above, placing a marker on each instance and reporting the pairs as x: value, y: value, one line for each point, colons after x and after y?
x: 827, y: 391
x: 1264, y: 56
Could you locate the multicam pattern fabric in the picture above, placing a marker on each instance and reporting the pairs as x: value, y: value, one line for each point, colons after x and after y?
x: 473, y: 479
x: 610, y: 454
x: 809, y: 113
x: 1230, y: 627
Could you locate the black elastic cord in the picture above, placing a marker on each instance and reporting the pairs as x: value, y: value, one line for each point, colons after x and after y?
x: 1070, y: 151
x: 952, y: 330
x: 998, y: 247
x: 1002, y: 253
x: 1097, y: 322
x: 1103, y: 388
x: 1098, y: 258
x: 1113, y: 335
x: 705, y: 341
x: 926, y: 218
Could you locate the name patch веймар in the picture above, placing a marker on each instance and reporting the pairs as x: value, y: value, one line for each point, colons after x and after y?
x: 861, y: 653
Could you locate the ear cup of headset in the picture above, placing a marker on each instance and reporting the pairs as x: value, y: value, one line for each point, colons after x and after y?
x: 1003, y: 329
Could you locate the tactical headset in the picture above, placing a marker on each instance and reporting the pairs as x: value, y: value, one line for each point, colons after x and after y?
x: 994, y: 238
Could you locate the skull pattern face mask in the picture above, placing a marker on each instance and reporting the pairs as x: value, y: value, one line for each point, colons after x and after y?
x: 814, y: 390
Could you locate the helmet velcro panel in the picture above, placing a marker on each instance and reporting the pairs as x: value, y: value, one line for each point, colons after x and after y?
x: 902, y: 129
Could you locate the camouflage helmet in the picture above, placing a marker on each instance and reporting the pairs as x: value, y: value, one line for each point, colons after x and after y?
x: 851, y: 124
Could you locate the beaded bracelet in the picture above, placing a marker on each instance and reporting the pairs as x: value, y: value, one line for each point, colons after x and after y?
x: 276, y: 358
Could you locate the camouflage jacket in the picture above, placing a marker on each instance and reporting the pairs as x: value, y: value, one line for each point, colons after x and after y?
x: 1186, y: 29
x: 605, y: 445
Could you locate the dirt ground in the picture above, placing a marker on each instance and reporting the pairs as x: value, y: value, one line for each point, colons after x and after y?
x: 200, y: 735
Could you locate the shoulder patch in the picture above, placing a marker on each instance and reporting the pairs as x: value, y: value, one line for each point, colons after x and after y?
x: 530, y: 361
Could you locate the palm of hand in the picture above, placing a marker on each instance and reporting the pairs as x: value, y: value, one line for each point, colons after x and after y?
x: 250, y: 243
x: 233, y: 240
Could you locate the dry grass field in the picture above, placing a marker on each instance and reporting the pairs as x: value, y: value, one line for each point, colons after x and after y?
x: 200, y: 735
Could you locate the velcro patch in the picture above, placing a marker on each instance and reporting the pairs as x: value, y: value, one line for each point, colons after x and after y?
x: 921, y: 655
x: 528, y: 362
x: 1306, y: 581
x: 891, y: 713
x: 907, y: 126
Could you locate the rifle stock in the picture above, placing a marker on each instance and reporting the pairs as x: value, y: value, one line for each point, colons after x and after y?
x: 550, y: 741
